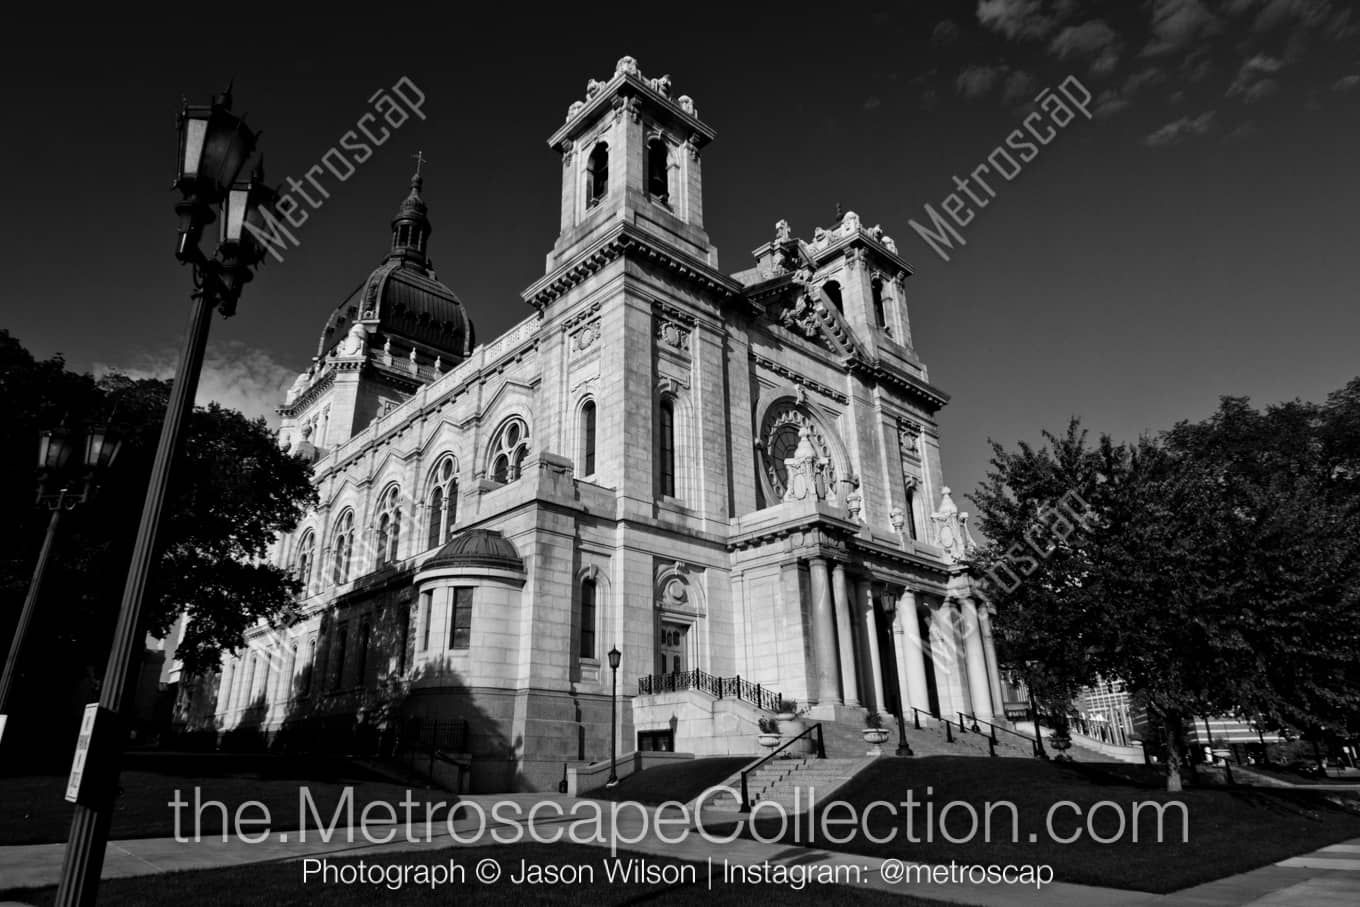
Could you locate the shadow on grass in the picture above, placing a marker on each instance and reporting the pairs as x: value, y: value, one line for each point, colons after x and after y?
x: 682, y: 781
x: 281, y: 884
x: 1094, y: 826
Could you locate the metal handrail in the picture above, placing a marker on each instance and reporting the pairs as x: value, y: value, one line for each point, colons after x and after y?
x: 745, y: 773
x: 1034, y: 745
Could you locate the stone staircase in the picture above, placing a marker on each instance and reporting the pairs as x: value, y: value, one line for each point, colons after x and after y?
x: 792, y: 783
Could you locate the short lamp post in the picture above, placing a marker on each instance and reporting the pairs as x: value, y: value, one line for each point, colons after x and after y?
x: 903, y: 747
x: 74, y: 487
x: 214, y: 147
x: 615, y: 656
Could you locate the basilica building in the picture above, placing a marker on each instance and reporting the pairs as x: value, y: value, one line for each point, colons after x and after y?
x: 733, y: 479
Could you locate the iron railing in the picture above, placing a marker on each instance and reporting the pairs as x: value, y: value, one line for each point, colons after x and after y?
x: 423, y: 738
x: 746, y: 772
x: 991, y: 739
x: 718, y: 687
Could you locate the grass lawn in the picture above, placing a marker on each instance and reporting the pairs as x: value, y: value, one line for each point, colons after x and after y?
x: 281, y: 884
x: 681, y: 781
x: 33, y: 808
x: 1231, y: 830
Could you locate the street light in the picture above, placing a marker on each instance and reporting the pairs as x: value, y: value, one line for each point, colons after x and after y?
x: 890, y: 612
x: 615, y: 656
x: 214, y: 146
x: 55, y: 447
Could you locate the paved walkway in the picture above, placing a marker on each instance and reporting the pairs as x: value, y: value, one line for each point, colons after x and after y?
x: 1330, y: 876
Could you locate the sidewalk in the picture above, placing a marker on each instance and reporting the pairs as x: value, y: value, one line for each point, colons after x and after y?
x: 1330, y: 876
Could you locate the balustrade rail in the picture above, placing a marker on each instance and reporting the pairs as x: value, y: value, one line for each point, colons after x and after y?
x: 718, y: 687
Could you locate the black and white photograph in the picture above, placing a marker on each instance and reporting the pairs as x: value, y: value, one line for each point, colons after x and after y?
x: 888, y: 453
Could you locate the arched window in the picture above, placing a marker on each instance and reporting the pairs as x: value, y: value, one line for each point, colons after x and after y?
x: 658, y: 178
x: 342, y: 547
x: 597, y: 175
x: 509, y: 450
x: 389, y: 526
x: 666, y: 447
x: 306, y: 554
x: 443, y: 502
x: 588, y: 438
x: 833, y: 292
x: 880, y: 316
x: 586, y: 646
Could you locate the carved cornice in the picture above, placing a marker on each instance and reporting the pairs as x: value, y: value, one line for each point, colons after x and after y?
x: 625, y: 240
x: 798, y: 378
x: 309, y: 396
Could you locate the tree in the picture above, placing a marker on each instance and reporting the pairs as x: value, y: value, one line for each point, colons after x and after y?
x: 233, y: 491
x: 1221, y: 574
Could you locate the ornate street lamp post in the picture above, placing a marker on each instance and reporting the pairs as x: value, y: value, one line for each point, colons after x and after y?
x: 614, y: 657
x: 55, y: 448
x: 214, y: 145
x: 903, y: 747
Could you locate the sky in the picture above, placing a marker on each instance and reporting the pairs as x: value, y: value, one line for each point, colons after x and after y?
x: 1194, y: 237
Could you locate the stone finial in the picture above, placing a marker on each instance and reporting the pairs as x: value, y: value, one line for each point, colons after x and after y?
x: 782, y: 233
x: 575, y: 108
x: 890, y: 244
x: 299, y: 385
x: 438, y: 365
x: 951, y: 530
x: 687, y: 105
x: 627, y: 65
x: 898, y: 518
x: 849, y: 223
x: 663, y: 85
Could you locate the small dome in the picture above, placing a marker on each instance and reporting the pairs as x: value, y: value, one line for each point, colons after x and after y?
x: 477, y: 548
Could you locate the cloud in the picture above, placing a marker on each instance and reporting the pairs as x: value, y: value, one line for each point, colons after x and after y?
x: 978, y: 81
x: 945, y: 33
x: 1253, y: 82
x: 1109, y: 103
x: 1024, y: 19
x: 1244, y: 131
x: 1143, y: 79
x: 1179, y: 130
x: 1178, y: 23
x: 1018, y: 86
x: 1093, y: 40
x: 237, y: 376
x: 1346, y: 83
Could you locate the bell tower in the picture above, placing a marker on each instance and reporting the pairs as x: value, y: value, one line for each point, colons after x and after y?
x: 631, y: 153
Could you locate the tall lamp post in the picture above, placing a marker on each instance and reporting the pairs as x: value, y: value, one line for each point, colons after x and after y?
x: 903, y: 747
x: 55, y: 448
x: 614, y: 657
x: 214, y: 146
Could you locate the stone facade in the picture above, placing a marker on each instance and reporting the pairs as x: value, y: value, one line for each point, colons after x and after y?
x: 722, y: 475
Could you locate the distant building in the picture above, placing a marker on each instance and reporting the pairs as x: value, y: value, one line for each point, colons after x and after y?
x: 734, y: 478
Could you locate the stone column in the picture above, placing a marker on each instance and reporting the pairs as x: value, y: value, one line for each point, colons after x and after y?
x: 824, y: 634
x: 918, y: 690
x: 864, y: 596
x: 975, y: 658
x: 845, y: 634
x: 989, y: 649
x: 943, y: 655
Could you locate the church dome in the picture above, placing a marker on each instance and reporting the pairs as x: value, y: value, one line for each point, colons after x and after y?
x: 402, y: 297
x: 477, y: 548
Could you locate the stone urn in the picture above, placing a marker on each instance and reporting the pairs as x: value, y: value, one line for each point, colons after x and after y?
x: 790, y: 726
x: 875, y: 737
x: 768, y: 741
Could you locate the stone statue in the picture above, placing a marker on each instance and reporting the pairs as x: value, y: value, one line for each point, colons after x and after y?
x: 782, y: 233
x: 353, y: 344
x: 626, y: 65
x: 299, y: 385
x: 687, y: 105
